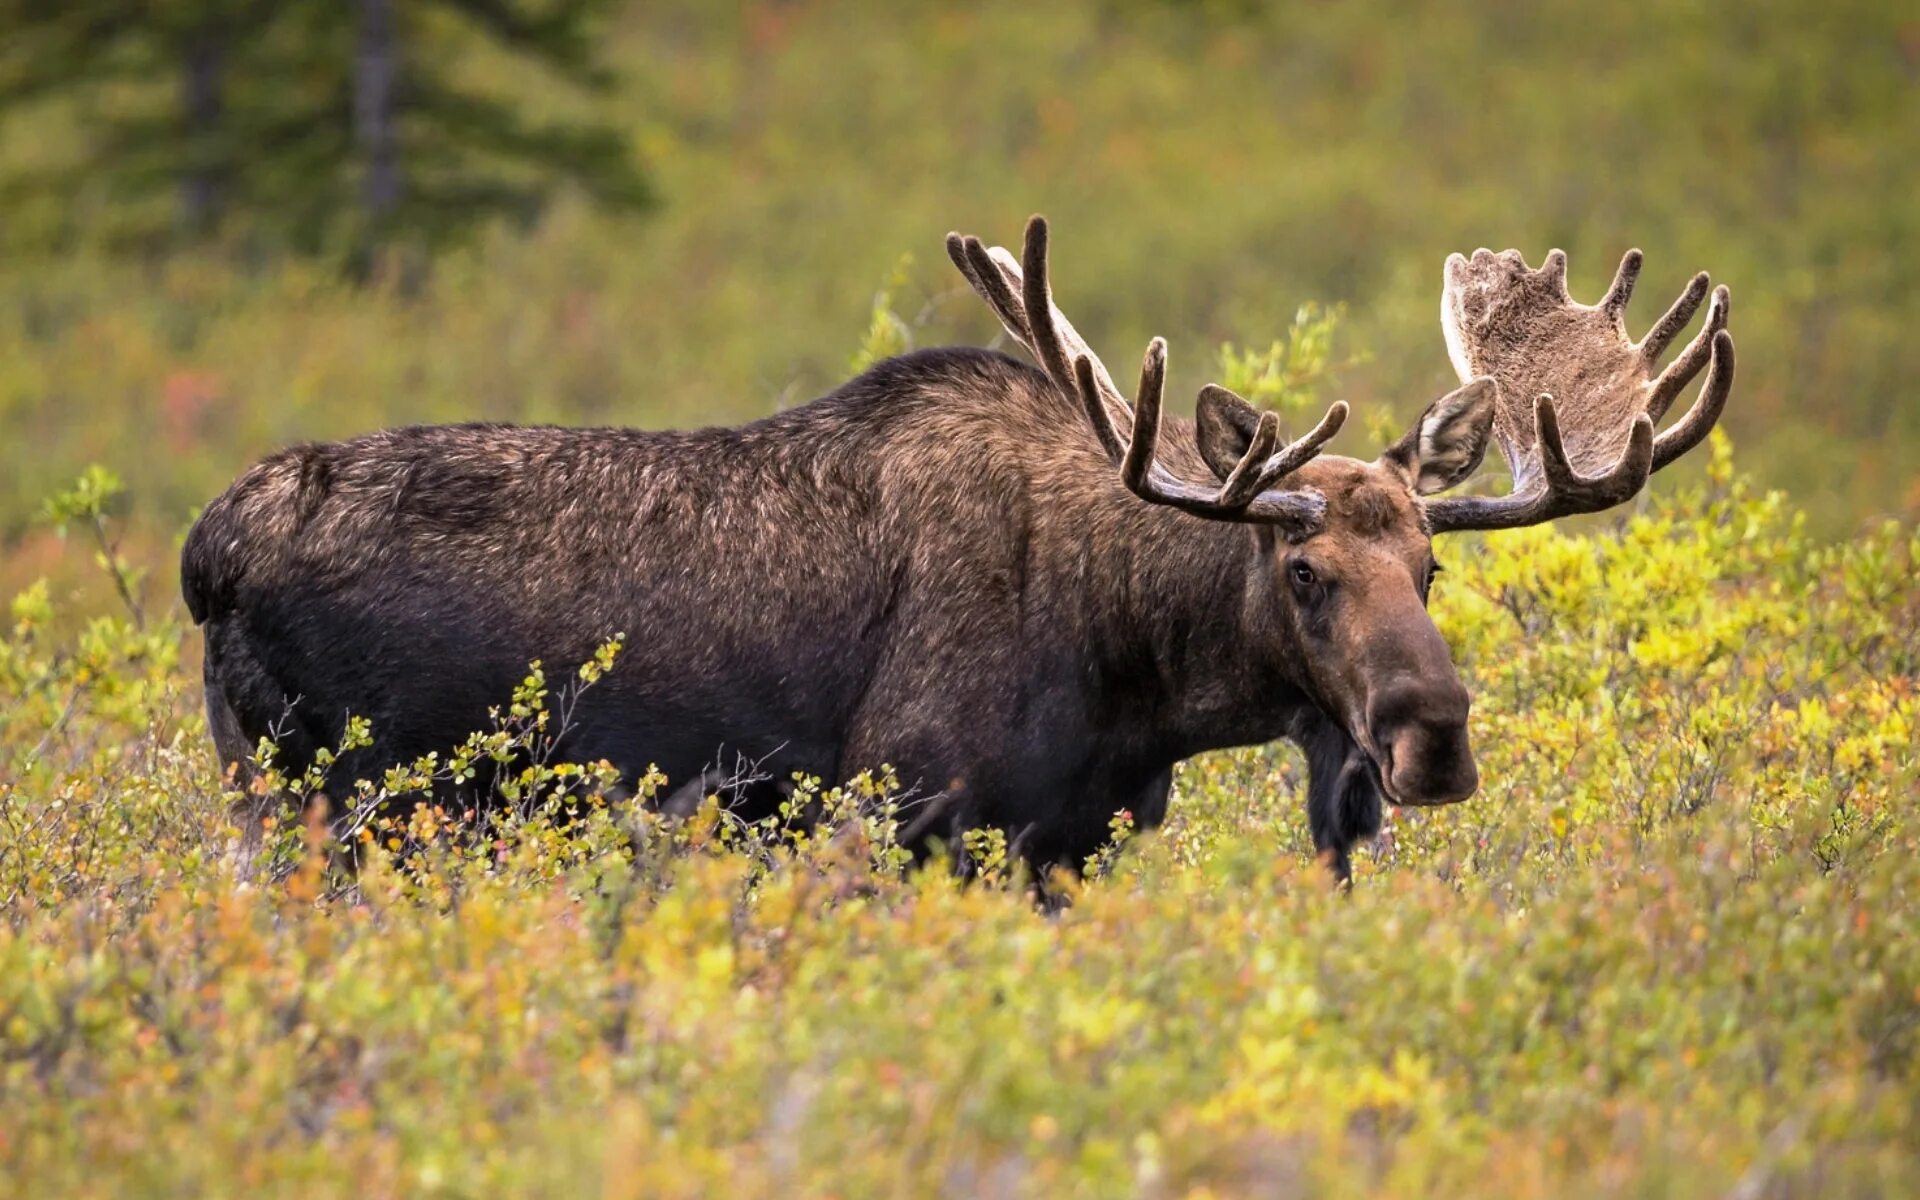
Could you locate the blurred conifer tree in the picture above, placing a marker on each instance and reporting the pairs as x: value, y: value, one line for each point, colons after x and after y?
x: 352, y: 128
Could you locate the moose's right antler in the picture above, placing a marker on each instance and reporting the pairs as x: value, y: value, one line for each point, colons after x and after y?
x: 1553, y: 358
x: 1019, y: 295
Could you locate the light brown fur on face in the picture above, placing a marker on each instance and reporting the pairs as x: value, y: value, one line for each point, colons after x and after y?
x: 1377, y: 663
x: 1366, y: 500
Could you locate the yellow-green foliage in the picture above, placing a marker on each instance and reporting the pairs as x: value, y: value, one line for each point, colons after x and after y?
x: 1670, y: 949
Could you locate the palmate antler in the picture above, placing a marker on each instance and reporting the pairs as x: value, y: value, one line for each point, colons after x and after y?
x: 1577, y: 399
x: 1020, y: 296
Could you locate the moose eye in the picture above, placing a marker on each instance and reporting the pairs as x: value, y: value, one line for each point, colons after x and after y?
x: 1302, y: 574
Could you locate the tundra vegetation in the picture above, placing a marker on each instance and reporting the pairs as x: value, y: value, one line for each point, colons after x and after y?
x: 1669, y: 949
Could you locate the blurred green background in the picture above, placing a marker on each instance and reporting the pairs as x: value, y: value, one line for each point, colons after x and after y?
x: 1209, y: 168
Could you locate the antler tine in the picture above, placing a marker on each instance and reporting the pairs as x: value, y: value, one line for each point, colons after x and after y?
x: 1039, y: 300
x: 1705, y: 413
x: 1297, y: 452
x: 1669, y: 326
x: 1566, y: 489
x: 977, y: 264
x: 1554, y: 271
x: 1563, y: 491
x: 1614, y: 303
x: 1242, y: 484
x: 1146, y: 411
x: 1298, y: 513
x: 962, y: 250
x: 1021, y: 296
x: 1689, y: 362
x: 1071, y: 344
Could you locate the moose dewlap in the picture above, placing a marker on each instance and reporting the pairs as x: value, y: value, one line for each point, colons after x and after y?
x: 1029, y: 596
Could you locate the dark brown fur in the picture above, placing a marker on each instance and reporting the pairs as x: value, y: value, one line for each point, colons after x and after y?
x: 935, y: 568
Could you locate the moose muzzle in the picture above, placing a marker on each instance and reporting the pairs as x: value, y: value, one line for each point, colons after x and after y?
x: 1419, y: 735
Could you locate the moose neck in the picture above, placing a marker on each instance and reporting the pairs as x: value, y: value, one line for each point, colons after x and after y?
x: 1198, y: 632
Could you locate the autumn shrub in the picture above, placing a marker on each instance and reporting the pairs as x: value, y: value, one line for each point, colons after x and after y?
x: 1669, y: 949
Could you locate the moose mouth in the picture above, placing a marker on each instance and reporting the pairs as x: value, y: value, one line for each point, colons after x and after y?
x: 1376, y: 773
x: 1360, y: 772
x: 1377, y: 767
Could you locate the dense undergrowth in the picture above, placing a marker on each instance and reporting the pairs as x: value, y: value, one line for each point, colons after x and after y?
x: 1669, y: 949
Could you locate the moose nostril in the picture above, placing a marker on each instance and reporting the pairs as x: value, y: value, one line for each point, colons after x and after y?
x: 1430, y: 717
x: 1425, y: 705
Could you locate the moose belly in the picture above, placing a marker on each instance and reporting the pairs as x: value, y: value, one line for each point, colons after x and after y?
x: 713, y: 704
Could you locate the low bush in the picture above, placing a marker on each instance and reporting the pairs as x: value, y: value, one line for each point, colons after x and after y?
x: 1670, y: 948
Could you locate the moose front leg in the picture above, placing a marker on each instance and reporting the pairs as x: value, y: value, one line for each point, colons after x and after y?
x: 1344, y: 805
x: 1149, y: 807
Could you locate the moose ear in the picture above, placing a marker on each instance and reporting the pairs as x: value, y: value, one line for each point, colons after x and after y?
x: 1448, y: 441
x: 1224, y: 425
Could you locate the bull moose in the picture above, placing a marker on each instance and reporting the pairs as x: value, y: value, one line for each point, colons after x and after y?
x: 1029, y: 597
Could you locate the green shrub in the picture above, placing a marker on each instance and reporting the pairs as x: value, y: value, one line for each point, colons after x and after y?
x: 1670, y: 947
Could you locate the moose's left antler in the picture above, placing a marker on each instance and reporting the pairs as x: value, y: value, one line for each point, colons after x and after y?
x: 1577, y: 399
x: 1021, y: 296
